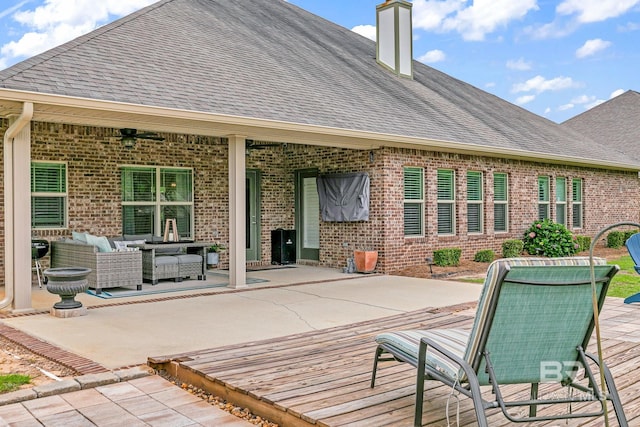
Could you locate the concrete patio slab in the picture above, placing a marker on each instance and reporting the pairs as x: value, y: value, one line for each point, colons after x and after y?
x: 124, y: 332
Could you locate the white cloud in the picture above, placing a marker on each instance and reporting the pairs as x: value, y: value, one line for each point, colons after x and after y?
x: 368, y: 31
x: 433, y: 56
x: 519, y: 65
x: 473, y: 22
x: 591, y: 47
x: 566, y: 107
x: 595, y: 10
x: 525, y: 99
x: 617, y: 92
x: 583, y: 99
x: 539, y: 84
x: 594, y: 104
x: 58, y: 21
x: 490, y: 85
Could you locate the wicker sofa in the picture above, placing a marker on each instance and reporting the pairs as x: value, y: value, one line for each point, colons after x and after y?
x: 108, y: 269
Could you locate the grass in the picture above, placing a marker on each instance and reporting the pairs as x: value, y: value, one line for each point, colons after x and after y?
x: 11, y: 382
x: 624, y: 284
x: 627, y: 281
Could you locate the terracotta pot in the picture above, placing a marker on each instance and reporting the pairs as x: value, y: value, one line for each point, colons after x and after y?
x: 365, y: 261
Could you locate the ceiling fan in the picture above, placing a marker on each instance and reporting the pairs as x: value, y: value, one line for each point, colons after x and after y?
x: 129, y: 137
x: 253, y: 145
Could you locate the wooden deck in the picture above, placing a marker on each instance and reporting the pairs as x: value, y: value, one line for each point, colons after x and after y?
x: 322, y: 378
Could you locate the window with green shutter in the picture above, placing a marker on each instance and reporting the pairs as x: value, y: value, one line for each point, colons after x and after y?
x: 475, y: 195
x: 446, y: 202
x: 48, y: 195
x: 561, y: 201
x: 413, y: 201
x: 500, y: 203
x: 576, y: 203
x: 151, y: 195
x: 543, y: 197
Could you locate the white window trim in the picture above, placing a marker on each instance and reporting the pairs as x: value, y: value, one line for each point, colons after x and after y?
x: 562, y: 204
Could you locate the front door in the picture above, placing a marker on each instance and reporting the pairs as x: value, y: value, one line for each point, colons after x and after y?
x: 253, y: 215
x: 307, y: 215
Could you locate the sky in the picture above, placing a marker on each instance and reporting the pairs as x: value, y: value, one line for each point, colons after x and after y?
x: 554, y: 58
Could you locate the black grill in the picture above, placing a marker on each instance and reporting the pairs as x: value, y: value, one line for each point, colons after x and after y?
x: 39, y: 248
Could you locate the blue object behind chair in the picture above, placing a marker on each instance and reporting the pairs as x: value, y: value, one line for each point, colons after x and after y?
x: 633, y: 246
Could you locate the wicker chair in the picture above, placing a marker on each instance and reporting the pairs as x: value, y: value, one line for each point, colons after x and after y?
x: 108, y: 269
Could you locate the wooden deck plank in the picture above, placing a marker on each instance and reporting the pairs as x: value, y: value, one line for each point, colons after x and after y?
x: 322, y: 378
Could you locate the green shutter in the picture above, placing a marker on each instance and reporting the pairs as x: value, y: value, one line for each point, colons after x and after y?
x: 413, y: 204
x: 445, y: 184
x: 48, y: 178
x: 543, y: 188
x: 446, y: 193
x: 474, y: 186
x: 413, y: 183
x: 561, y: 189
x: 577, y: 190
x: 500, y: 187
x: 48, y: 195
x: 500, y: 217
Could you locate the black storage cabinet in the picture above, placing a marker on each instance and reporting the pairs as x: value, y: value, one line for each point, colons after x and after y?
x: 283, y: 246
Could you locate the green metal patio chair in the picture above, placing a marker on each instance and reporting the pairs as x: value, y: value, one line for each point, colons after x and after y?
x: 533, y: 321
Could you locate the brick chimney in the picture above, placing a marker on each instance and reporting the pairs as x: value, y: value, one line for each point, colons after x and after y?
x: 394, y: 37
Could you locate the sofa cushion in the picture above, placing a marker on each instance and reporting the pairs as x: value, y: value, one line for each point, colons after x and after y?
x: 123, y: 245
x: 80, y: 237
x: 189, y: 259
x: 164, y: 260
x: 101, y: 242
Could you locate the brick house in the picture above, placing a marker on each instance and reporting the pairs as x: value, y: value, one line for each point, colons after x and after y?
x: 256, y: 101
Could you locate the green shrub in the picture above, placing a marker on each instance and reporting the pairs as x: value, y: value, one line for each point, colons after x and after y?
x: 615, y: 239
x: 628, y: 234
x: 584, y: 243
x: 486, y: 255
x: 447, y: 257
x: 550, y: 239
x: 512, y: 248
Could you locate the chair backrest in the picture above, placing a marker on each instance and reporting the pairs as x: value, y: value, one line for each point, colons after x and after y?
x: 532, y: 312
x: 633, y: 246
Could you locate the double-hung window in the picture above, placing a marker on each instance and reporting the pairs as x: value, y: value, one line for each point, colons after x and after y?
x: 446, y: 202
x: 48, y: 195
x: 475, y: 211
x: 561, y: 201
x: 151, y: 195
x: 413, y: 201
x: 500, y: 202
x: 543, y: 197
x: 576, y: 203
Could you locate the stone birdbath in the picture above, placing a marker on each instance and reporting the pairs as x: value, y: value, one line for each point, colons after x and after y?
x: 67, y: 282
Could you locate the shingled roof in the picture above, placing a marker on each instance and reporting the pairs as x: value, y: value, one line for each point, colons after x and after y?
x: 614, y: 122
x: 268, y: 59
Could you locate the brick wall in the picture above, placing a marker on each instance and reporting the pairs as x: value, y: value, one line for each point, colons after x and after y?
x: 94, y: 157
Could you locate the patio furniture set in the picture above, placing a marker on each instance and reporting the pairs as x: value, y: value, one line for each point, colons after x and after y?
x: 130, y: 260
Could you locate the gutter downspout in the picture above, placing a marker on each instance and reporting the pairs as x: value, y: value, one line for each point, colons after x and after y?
x: 9, y: 201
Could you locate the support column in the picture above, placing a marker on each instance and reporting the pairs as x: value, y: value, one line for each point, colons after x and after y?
x: 237, y: 213
x: 17, y: 203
